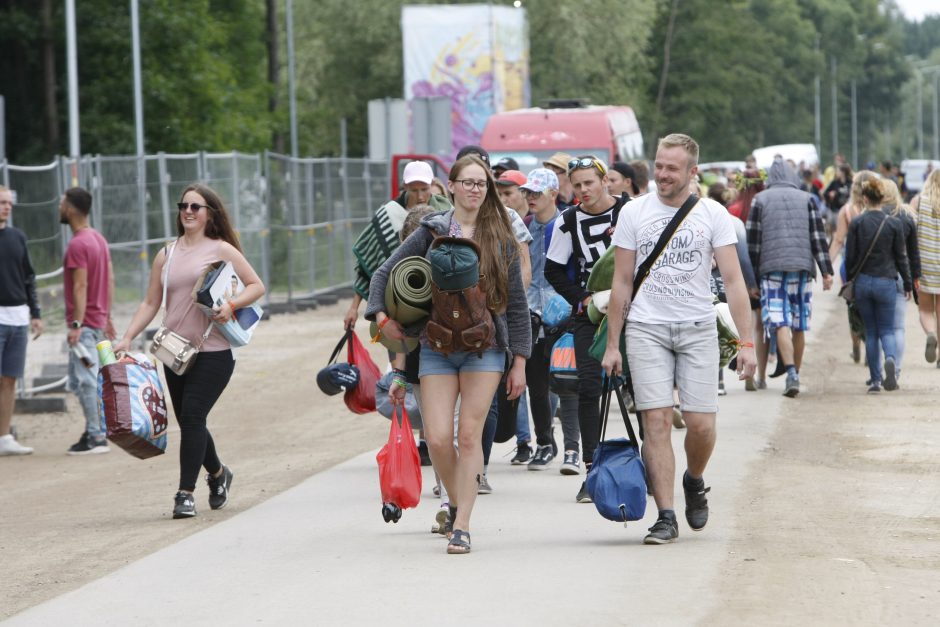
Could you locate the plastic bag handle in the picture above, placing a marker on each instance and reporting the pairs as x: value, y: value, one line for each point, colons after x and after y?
x: 610, y: 389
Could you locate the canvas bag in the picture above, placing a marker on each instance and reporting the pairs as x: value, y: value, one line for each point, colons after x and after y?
x: 131, y: 406
x: 617, y: 478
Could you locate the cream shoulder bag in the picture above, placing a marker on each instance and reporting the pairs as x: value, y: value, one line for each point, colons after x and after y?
x: 175, y: 351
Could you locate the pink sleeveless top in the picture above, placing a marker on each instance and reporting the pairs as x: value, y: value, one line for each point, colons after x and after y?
x: 183, y: 316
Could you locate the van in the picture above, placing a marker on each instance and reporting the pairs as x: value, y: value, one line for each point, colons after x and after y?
x: 804, y: 154
x: 530, y: 136
x: 915, y: 172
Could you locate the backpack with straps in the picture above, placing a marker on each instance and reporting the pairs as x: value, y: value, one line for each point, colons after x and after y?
x: 460, y: 319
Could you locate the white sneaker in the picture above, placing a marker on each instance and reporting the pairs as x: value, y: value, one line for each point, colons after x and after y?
x: 9, y: 446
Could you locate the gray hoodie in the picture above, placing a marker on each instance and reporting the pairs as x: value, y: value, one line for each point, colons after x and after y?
x: 513, y: 327
x: 784, y: 232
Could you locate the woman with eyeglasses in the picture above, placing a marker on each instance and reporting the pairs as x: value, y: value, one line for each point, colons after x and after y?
x: 205, y: 236
x: 479, y: 215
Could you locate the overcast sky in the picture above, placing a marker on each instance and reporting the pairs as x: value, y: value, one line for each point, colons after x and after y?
x: 917, y: 9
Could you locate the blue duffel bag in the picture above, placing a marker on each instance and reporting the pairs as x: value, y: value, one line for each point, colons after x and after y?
x: 617, y: 479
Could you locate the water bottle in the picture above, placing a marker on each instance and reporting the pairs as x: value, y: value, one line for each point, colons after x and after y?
x: 105, y: 353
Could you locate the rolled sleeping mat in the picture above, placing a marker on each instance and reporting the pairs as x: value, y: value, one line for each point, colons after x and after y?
x: 408, y: 291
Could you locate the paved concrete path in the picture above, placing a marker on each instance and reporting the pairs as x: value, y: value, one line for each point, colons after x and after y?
x: 320, y: 553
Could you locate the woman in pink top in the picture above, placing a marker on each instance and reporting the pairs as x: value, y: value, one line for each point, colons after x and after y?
x: 205, y: 236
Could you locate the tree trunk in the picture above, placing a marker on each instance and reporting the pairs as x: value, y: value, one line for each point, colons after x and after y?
x: 51, y: 120
x: 664, y: 74
x: 274, y: 69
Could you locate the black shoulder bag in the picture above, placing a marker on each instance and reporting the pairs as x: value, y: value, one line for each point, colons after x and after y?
x: 847, y: 291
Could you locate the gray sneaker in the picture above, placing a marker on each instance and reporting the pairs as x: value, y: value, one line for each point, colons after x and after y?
x: 583, y: 495
x: 219, y: 487
x: 184, y: 505
x: 792, y: 387
x: 665, y: 530
x: 484, y: 486
x: 542, y: 458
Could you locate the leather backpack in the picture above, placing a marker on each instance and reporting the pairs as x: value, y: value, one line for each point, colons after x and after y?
x: 460, y: 319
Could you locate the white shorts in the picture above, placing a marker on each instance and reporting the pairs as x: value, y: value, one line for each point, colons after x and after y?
x: 682, y: 355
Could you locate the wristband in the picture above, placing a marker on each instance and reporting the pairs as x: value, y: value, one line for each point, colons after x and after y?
x: 232, y: 307
x: 384, y: 322
x: 741, y: 344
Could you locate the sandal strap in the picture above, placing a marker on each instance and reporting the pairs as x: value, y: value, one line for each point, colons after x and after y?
x: 457, y: 539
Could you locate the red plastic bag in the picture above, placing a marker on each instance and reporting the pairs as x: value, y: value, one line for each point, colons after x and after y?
x: 361, y: 399
x: 399, y: 465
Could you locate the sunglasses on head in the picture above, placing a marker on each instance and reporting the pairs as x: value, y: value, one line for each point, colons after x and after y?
x: 192, y: 206
x: 586, y: 162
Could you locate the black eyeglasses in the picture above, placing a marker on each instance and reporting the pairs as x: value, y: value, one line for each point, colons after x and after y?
x: 470, y: 184
x: 587, y: 162
x: 192, y: 206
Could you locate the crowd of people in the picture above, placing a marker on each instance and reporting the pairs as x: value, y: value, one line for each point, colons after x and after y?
x: 758, y: 241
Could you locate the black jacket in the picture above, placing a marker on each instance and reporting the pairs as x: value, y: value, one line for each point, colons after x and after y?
x: 888, y: 257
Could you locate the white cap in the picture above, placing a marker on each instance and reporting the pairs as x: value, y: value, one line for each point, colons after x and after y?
x: 418, y: 171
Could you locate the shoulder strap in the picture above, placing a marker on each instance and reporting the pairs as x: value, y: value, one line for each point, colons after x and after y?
x: 605, y: 411
x: 570, y: 218
x: 871, y: 247
x: 670, y: 230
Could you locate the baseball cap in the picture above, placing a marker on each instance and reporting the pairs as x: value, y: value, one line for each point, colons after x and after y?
x: 477, y: 150
x: 559, y: 160
x: 418, y: 171
x: 540, y: 180
x: 506, y: 163
x: 511, y: 177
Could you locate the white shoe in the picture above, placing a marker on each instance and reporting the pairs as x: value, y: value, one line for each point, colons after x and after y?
x: 9, y: 446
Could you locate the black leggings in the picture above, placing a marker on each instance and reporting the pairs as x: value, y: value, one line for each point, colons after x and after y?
x: 193, y: 395
x: 590, y: 386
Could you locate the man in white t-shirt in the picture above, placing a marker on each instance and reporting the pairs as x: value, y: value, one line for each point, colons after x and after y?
x: 671, y: 334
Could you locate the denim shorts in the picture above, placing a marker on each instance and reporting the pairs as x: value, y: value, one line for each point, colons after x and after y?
x: 13, y: 340
x: 432, y: 362
x: 684, y: 355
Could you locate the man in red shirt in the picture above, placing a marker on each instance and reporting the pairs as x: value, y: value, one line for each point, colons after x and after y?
x: 89, y: 290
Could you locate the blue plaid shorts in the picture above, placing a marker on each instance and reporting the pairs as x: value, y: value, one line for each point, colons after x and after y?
x: 786, y: 300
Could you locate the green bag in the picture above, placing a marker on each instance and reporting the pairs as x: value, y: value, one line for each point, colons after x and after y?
x: 599, y: 345
x: 602, y: 273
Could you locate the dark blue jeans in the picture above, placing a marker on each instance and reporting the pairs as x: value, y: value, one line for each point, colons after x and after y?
x: 875, y: 298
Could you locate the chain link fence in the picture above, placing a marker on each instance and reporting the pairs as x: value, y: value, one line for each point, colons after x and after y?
x: 297, y: 219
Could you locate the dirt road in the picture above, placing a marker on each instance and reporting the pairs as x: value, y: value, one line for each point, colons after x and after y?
x: 838, y: 524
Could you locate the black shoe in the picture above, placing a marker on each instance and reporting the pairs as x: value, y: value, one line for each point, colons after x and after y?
x: 542, y: 458
x: 219, y: 487
x: 583, y: 496
x: 665, y: 530
x: 423, y: 453
x: 87, y: 446
x: 523, y: 454
x: 185, y: 506
x: 696, y: 505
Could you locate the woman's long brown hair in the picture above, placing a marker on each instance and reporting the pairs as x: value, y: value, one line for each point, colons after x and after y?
x: 218, y: 225
x: 494, y: 235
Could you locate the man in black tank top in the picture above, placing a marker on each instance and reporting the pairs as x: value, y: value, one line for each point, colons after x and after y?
x: 583, y: 234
